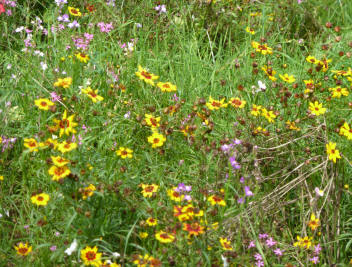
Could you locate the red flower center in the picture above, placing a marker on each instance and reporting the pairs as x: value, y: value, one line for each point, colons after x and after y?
x: 216, y: 104
x: 43, y: 103
x: 40, y: 198
x: 23, y: 250
x: 92, y: 94
x: 146, y: 75
x: 156, y: 140
x: 90, y: 255
x: 149, y: 188
x: 64, y: 123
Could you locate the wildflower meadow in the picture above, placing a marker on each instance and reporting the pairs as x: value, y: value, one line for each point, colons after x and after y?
x: 175, y: 133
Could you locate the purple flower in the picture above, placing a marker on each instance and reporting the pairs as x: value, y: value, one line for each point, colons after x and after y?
x: 314, y: 260
x: 259, y: 263
x: 247, y: 191
x: 54, y: 97
x: 278, y: 252
x: 53, y: 248
x: 251, y: 244
x: 161, y: 9
x: 242, y: 180
x: 240, y: 200
x: 317, y: 249
x: 188, y: 197
x: 270, y: 242
x: 63, y: 18
x: 258, y: 257
x: 73, y: 24
x: 237, y: 141
x: 263, y: 236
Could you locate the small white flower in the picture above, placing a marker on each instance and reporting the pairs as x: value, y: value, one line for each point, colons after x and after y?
x: 224, y: 260
x: 19, y: 29
x: 72, y: 247
x: 116, y: 255
x: 319, y: 192
x: 9, y: 66
x: 44, y: 65
x: 261, y: 85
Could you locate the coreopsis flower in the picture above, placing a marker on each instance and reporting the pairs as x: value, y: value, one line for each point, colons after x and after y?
x: 164, y: 237
x: 43, y: 103
x: 225, y: 243
x: 151, y: 221
x: 324, y: 64
x: 166, y: 87
x: 237, y: 102
x: 90, y: 256
x: 59, y: 161
x: 216, y: 200
x: 146, y: 260
x: 92, y: 94
x: 187, y: 131
x: 146, y: 76
x: 66, y: 146
x: 193, y: 229
x: 143, y: 235
x: 40, y: 199
x: 74, y: 12
x: 82, y: 57
x: 23, y: 249
x: 312, y: 59
x: 269, y: 72
x: 287, y: 78
x: 255, y: 111
x: 264, y: 49
x: 124, y: 152
x: 58, y: 173
x: 64, y: 83
x: 175, y: 195
x: 156, y: 139
x: 346, y: 130
x: 88, y: 191
x: 250, y: 30
x: 305, y: 242
x: 149, y: 190
x: 215, y: 104
x: 292, y: 126
x: 1, y: 178
x: 269, y: 115
x: 338, y: 92
x: 332, y: 152
x: 314, y: 222
x: 66, y: 124
x: 52, y: 143
x: 32, y: 144
x: 152, y: 121
x: 316, y: 108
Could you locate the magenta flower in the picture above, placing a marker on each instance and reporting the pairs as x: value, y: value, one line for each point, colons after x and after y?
x: 314, y: 260
x: 278, y: 252
x: 263, y: 236
x: 317, y: 249
x: 259, y: 263
x: 247, y: 191
x: 270, y: 242
x: 251, y: 245
x: 258, y: 257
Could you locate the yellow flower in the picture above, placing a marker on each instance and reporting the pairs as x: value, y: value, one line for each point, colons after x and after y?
x: 269, y: 72
x: 90, y: 256
x: 215, y: 104
x: 287, y: 78
x: 292, y: 126
x: 338, y: 92
x: 74, y: 11
x: 92, y: 94
x: 1, y: 178
x: 58, y: 173
x: 255, y: 110
x: 64, y: 83
x: 303, y: 242
x: 174, y: 195
x: 43, y: 103
x: 151, y: 221
x: 149, y: 190
x: 59, y: 161
x: 152, y: 121
x: 156, y: 140
x: 166, y: 87
x: 250, y: 30
x: 312, y: 59
x: 332, y: 152
x: 264, y: 49
x: 124, y: 152
x: 88, y: 191
x: 269, y: 115
x: 23, y: 249
x: 314, y: 222
x: 146, y: 76
x: 66, y: 124
x: 40, y: 199
x: 216, y: 200
x: 316, y: 108
x: 32, y: 144
x: 82, y: 57
x: 66, y: 147
x: 226, y: 244
x: 164, y: 237
x: 346, y: 131
x: 237, y: 103
x: 143, y: 235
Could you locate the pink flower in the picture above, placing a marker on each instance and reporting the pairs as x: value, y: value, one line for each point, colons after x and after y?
x: 251, y: 245
x: 270, y: 242
x: 278, y: 252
